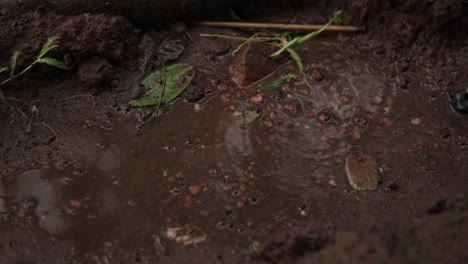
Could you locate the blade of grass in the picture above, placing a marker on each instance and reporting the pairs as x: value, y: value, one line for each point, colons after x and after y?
x: 338, y: 17
x: 14, y: 59
x: 297, y: 59
x: 53, y: 62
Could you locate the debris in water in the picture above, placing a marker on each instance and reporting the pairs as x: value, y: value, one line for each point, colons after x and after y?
x: 247, y: 115
x: 164, y: 85
x: 361, y: 170
x: 174, y: 234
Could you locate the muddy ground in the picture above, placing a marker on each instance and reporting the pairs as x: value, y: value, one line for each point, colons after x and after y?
x: 84, y: 179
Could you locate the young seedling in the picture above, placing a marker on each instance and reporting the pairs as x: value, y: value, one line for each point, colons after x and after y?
x: 285, y: 44
x: 338, y: 18
x: 41, y: 58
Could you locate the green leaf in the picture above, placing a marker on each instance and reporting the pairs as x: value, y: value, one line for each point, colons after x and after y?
x: 278, y: 83
x: 14, y: 59
x: 53, y: 62
x: 297, y: 59
x: 3, y: 69
x: 48, y: 46
x: 178, y: 77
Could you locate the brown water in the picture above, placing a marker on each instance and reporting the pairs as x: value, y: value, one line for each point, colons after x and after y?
x: 224, y: 179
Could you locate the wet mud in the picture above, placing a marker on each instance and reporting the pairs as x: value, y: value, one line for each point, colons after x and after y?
x: 230, y: 174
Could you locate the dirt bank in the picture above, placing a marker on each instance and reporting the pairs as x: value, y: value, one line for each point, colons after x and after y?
x: 80, y: 183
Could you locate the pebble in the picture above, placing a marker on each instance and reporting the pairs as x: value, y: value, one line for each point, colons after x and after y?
x: 326, y: 117
x: 416, y: 121
x: 316, y: 75
x: 226, y: 97
x: 344, y: 99
x: 258, y: 99
x: 303, y: 90
x: 292, y: 107
x: 197, y: 107
x: 194, y: 190
x: 223, y: 87
x: 34, y: 110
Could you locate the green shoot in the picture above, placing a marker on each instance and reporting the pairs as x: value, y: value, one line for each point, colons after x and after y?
x: 284, y: 43
x: 14, y: 58
x: 46, y: 48
x: 53, y: 62
x: 254, y: 249
x: 279, y: 82
x: 338, y: 18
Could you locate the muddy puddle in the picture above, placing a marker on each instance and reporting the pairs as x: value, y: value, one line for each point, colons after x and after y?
x: 230, y: 172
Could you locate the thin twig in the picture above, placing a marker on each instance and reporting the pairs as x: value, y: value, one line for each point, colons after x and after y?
x: 75, y: 96
x: 300, y: 27
x: 19, y: 111
x: 51, y: 129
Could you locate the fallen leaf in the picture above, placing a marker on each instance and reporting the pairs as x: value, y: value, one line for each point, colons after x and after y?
x: 178, y: 77
x: 362, y: 170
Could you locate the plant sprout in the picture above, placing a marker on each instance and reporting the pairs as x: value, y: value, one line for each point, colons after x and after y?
x: 46, y: 48
x: 285, y: 44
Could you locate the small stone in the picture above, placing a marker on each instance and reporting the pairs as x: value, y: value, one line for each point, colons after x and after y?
x: 326, y: 117
x: 194, y: 190
x: 272, y: 115
x: 362, y: 121
x: 197, y: 107
x: 268, y: 123
x: 258, y: 99
x: 226, y: 97
x: 75, y: 204
x: 223, y: 87
x: 292, y: 107
x: 416, y: 121
x: 344, y: 99
x: 310, y: 114
x: 208, y: 90
x: 357, y: 135
x: 34, y: 110
x: 303, y: 90
x: 316, y: 75
x: 233, y: 107
x: 332, y: 183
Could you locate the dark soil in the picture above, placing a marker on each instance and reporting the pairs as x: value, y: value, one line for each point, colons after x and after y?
x: 230, y: 175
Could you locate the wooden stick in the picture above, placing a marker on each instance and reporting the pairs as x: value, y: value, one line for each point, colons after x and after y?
x: 276, y: 26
